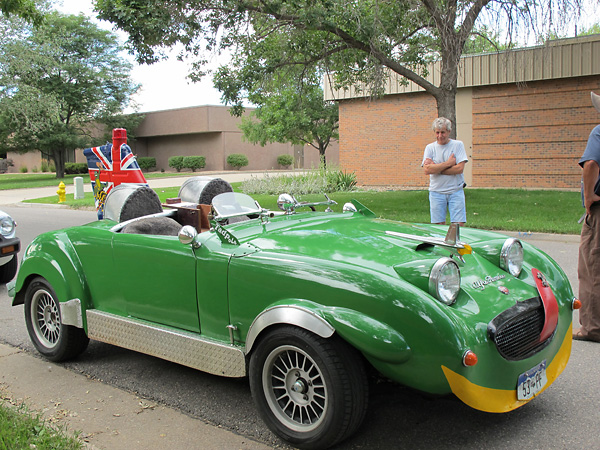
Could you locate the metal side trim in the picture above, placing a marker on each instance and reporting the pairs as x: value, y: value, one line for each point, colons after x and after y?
x: 173, y: 345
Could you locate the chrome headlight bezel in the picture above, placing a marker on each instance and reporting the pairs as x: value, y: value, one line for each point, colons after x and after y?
x: 444, y: 280
x: 7, y: 226
x: 511, y: 256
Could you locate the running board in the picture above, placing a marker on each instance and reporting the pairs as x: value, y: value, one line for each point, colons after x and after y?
x: 176, y: 346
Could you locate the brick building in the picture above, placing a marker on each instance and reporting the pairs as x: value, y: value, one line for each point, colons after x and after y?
x: 524, y: 117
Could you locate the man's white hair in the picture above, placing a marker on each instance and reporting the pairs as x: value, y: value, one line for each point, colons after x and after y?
x: 441, y: 122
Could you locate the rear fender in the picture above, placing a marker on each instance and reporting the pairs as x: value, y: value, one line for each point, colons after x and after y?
x: 61, y: 269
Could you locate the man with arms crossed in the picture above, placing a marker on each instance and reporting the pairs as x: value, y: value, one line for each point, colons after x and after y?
x: 444, y: 161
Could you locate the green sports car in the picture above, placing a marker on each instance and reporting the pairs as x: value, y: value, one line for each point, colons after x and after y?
x: 305, y: 303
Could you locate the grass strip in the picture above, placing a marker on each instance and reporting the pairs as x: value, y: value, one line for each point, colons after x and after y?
x: 492, y: 209
x: 21, y: 428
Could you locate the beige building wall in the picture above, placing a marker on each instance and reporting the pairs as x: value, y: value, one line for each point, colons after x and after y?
x: 208, y: 131
x: 464, y: 128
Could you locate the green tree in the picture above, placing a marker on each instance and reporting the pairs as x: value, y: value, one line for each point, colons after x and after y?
x: 56, y: 81
x: 594, y: 29
x: 128, y: 121
x: 484, y: 40
x: 290, y: 106
x: 359, y: 41
x: 25, y: 9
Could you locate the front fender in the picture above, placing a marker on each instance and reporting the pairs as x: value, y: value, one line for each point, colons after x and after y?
x: 54, y: 259
x: 371, y: 337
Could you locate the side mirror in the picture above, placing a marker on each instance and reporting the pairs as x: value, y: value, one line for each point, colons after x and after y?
x: 349, y: 207
x: 187, y: 235
x: 286, y: 203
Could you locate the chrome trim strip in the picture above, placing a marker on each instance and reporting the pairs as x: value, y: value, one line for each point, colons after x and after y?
x: 169, y: 213
x: 177, y: 346
x: 449, y: 242
x: 288, y: 314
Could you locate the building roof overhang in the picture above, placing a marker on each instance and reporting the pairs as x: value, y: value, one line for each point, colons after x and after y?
x: 562, y: 58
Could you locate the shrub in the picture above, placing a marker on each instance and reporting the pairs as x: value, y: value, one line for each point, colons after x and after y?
x: 176, y: 162
x: 285, y: 160
x: 341, y: 180
x: 312, y: 182
x: 76, y: 168
x: 23, y: 169
x: 5, y: 164
x: 307, y: 182
x: 237, y: 160
x: 194, y: 162
x: 147, y: 162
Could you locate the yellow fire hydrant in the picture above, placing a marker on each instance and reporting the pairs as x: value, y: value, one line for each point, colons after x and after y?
x: 62, y: 192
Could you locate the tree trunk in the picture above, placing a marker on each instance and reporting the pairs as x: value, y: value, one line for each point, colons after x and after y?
x: 322, y: 149
x: 446, y: 95
x: 446, y: 107
x: 59, y: 162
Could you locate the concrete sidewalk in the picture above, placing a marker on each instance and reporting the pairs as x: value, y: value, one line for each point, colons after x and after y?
x: 107, y: 418
x: 15, y: 196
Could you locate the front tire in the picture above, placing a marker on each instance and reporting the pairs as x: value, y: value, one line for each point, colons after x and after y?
x: 9, y: 270
x: 53, y: 339
x: 310, y: 391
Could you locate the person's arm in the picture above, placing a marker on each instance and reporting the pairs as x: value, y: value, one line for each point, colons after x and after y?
x: 431, y: 168
x: 590, y: 175
x: 456, y: 169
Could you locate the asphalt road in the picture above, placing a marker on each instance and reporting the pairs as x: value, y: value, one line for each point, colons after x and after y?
x: 565, y: 416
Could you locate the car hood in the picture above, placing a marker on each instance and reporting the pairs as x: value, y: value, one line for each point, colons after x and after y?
x: 376, y: 244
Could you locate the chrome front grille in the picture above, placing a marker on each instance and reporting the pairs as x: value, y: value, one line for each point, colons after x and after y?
x: 516, y: 332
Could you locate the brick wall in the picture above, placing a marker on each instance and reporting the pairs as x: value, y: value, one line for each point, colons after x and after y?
x: 532, y: 135
x: 383, y: 140
x: 529, y: 135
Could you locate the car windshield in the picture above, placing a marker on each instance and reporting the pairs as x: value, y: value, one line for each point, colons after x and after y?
x: 231, y: 204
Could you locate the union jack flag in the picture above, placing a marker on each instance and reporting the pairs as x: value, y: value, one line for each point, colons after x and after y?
x: 110, y: 165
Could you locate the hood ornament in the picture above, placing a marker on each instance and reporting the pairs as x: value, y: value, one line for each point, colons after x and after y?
x: 451, y: 241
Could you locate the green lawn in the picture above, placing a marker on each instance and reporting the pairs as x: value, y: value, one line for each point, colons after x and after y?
x: 33, y: 180
x: 493, y: 209
x: 21, y: 428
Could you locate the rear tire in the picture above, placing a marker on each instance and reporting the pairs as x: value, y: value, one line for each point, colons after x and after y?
x: 311, y: 392
x: 53, y: 339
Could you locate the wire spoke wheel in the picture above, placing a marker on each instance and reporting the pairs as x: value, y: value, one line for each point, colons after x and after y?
x: 311, y: 391
x: 45, y: 316
x: 50, y: 336
x: 295, y: 388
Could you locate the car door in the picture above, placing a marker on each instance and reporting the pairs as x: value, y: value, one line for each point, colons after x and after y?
x: 156, y: 278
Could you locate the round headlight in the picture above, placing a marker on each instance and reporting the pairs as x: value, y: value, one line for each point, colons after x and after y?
x: 511, y: 256
x: 7, y: 226
x: 444, y: 280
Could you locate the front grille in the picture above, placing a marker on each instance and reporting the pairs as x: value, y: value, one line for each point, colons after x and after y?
x: 516, y: 332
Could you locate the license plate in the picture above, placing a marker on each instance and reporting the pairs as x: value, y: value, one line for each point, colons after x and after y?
x: 530, y: 383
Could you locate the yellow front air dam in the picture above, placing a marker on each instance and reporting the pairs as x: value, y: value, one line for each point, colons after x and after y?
x: 500, y: 400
